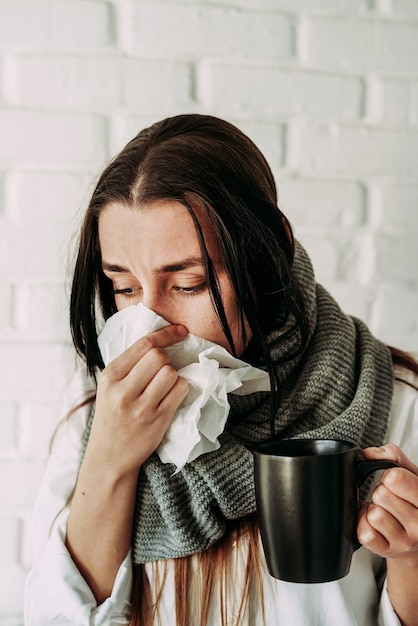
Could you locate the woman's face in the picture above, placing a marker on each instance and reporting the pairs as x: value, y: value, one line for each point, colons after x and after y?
x: 152, y: 255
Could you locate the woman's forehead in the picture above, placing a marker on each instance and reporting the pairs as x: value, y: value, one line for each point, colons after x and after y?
x: 164, y: 230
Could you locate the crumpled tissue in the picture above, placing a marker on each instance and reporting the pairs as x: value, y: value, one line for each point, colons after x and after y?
x: 210, y: 371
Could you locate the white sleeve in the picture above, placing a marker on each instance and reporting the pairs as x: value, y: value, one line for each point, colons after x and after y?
x: 56, y: 593
x: 387, y: 615
x: 403, y: 431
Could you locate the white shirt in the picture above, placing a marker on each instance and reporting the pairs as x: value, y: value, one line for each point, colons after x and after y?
x: 56, y: 593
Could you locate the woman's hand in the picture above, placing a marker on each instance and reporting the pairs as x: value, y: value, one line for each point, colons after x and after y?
x: 388, y: 526
x: 137, y: 396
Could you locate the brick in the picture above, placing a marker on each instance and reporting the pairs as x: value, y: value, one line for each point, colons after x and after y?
x: 141, y: 90
x: 395, y: 316
x: 19, y: 482
x: 267, y: 136
x: 52, y: 138
x: 414, y: 104
x: 32, y: 369
x: 237, y: 88
x: 2, y: 202
x: 357, y: 257
x: 26, y: 518
x: 358, y: 150
x: 340, y: 43
x: 396, y: 47
x: 10, y: 527
x: 396, y: 97
x: 397, y: 258
x: 405, y: 8
x: 36, y: 425
x: 124, y: 127
x: 324, y: 254
x: 12, y: 581
x: 66, y: 82
x: 41, y: 311
x: 399, y: 208
x: 46, y: 196
x: 337, y: 256
x: 407, y: 341
x: 79, y: 25
x: 6, y: 308
x: 34, y: 251
x: 82, y: 25
x: 190, y: 32
x: 329, y: 6
x: 8, y: 428
x: 12, y: 620
x: 322, y: 204
x: 24, y: 24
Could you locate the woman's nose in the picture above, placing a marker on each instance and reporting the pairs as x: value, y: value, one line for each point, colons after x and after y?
x: 155, y: 301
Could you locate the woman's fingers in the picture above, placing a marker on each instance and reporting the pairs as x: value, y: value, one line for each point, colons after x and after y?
x: 137, y: 397
x: 175, y: 397
x: 391, y: 452
x: 165, y: 385
x: 123, y: 364
x: 129, y: 374
x: 143, y: 374
x: 389, y: 524
x: 369, y: 536
x: 383, y: 533
x: 398, y: 482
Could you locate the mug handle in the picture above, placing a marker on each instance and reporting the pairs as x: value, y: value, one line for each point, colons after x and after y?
x: 366, y: 467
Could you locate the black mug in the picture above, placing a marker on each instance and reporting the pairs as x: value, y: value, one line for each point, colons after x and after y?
x: 307, y: 503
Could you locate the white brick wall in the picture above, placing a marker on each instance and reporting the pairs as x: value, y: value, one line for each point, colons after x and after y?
x: 327, y: 88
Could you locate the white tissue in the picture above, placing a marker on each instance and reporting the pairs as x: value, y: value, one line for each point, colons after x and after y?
x: 210, y: 371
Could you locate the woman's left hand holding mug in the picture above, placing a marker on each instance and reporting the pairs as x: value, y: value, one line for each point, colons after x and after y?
x: 388, y: 526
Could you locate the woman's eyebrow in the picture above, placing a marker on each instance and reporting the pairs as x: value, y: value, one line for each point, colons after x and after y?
x: 179, y: 265
x: 168, y: 268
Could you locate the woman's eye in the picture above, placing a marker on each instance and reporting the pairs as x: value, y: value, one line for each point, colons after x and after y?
x: 128, y: 292
x: 132, y: 292
x: 191, y: 290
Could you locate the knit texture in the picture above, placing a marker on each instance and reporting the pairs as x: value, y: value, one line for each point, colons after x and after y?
x: 340, y: 387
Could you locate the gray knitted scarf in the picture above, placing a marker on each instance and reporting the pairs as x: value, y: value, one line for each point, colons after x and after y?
x: 340, y: 387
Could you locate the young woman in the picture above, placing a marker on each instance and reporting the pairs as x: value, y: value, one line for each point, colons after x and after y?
x: 185, y: 221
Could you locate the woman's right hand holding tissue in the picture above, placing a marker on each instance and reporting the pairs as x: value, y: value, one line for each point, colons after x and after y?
x: 138, y: 394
